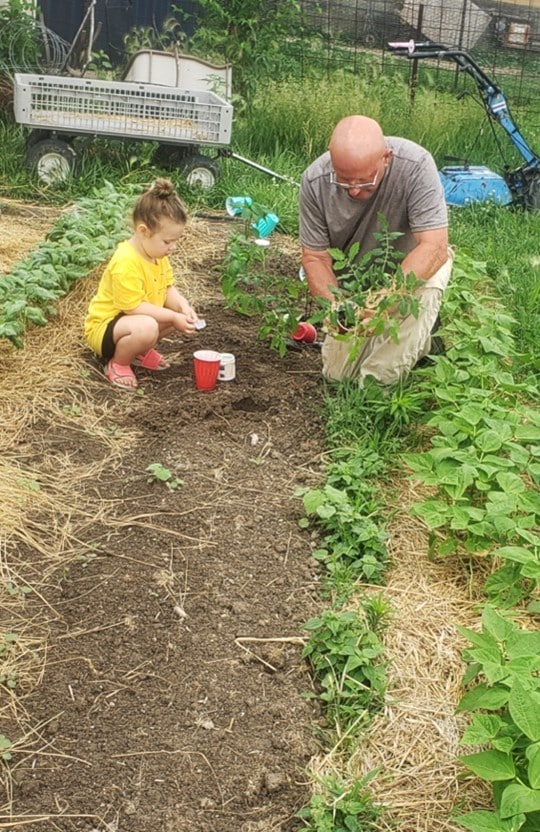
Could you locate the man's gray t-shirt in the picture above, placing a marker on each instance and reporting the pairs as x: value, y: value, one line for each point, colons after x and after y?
x: 410, y: 196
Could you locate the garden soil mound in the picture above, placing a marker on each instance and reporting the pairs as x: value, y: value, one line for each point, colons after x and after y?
x: 165, y: 683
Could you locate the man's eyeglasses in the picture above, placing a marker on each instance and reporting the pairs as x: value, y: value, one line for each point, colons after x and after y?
x: 355, y: 186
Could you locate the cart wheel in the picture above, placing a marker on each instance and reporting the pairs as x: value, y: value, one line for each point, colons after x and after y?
x: 200, y: 171
x: 36, y: 136
x: 172, y: 156
x: 52, y: 159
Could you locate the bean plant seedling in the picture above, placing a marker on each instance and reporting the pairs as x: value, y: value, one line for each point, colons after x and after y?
x: 158, y: 473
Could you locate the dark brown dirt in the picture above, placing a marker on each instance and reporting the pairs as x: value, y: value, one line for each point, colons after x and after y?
x: 172, y: 694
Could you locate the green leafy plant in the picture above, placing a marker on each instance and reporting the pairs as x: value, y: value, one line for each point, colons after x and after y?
x: 81, y: 239
x: 347, y: 509
x: 484, y: 459
x: 341, y: 806
x: 503, y: 699
x: 101, y: 65
x: 373, y: 294
x: 251, y: 287
x: 158, y: 473
x: 148, y: 37
x: 5, y: 745
x: 345, y: 654
x: 21, y: 40
x: 245, y: 33
x: 377, y: 416
x: 16, y: 591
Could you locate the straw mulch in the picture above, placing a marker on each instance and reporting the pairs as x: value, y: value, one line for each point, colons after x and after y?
x: 23, y: 233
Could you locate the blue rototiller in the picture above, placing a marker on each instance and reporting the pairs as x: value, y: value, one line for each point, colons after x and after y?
x: 465, y: 184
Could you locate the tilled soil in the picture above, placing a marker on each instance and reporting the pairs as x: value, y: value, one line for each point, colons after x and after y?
x: 173, y: 691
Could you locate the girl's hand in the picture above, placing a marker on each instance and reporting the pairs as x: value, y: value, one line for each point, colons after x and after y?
x: 178, y: 303
x: 185, y: 323
x: 187, y: 309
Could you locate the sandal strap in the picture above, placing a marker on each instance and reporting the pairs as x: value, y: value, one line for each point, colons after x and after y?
x: 115, y: 371
x: 151, y: 360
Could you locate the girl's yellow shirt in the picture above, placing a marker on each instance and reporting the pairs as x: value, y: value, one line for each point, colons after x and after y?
x: 127, y: 281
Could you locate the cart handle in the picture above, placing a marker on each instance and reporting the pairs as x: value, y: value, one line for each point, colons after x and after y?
x: 230, y: 155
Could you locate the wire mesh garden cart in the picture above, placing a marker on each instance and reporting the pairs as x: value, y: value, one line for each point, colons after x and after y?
x: 172, y: 105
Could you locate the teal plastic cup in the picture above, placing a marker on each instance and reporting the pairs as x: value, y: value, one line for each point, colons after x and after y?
x: 234, y: 205
x: 265, y: 225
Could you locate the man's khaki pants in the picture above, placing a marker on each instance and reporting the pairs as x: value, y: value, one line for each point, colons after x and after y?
x: 382, y: 358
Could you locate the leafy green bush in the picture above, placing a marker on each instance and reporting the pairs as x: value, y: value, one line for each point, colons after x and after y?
x: 484, y: 458
x: 341, y: 806
x: 345, y: 654
x: 247, y: 34
x: 504, y: 703
x: 20, y: 37
x: 347, y: 511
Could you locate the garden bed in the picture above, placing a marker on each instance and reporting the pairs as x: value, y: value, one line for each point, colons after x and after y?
x: 171, y: 694
x: 158, y: 678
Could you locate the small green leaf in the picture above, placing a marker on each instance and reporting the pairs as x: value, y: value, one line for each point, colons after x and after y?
x: 484, y: 821
x: 494, y: 624
x: 482, y: 696
x: 312, y: 500
x: 533, y: 771
x: 488, y: 441
x: 482, y: 729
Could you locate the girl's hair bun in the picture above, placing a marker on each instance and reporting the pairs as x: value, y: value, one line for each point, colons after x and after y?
x: 160, y: 201
x: 163, y: 188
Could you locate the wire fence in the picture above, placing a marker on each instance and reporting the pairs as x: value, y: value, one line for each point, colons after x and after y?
x: 503, y: 37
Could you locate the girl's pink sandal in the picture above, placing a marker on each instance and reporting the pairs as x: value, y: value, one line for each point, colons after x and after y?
x: 151, y: 360
x: 119, y: 374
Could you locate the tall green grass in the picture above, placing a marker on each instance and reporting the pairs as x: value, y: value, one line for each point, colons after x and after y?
x: 300, y: 112
x: 509, y: 242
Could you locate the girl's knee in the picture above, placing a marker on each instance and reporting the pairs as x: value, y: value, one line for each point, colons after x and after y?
x: 149, y: 329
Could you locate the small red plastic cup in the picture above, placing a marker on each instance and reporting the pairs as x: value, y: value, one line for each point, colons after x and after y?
x: 305, y: 332
x: 206, y: 365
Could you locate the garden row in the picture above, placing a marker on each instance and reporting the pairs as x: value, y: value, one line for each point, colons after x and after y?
x: 482, y: 462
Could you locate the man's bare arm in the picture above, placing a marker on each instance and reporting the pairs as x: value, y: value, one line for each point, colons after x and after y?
x: 319, y: 273
x: 429, y: 254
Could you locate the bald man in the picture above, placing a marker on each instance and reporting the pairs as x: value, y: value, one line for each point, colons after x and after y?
x: 364, y: 174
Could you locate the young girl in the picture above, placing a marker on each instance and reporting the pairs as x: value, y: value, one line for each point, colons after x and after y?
x: 136, y: 303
